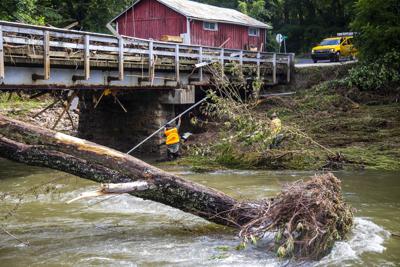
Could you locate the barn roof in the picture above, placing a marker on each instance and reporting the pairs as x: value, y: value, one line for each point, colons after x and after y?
x: 205, y: 12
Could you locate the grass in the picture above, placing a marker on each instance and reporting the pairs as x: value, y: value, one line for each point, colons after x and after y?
x: 16, y: 106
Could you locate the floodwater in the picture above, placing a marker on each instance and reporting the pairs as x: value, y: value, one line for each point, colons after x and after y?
x: 127, y: 231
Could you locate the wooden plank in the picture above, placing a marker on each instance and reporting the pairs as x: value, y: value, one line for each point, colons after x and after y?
x: 177, y: 63
x: 2, y: 71
x: 171, y: 38
x: 46, y: 54
x: 87, y: 57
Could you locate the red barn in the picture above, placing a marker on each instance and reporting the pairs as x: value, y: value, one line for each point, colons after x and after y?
x: 196, y: 23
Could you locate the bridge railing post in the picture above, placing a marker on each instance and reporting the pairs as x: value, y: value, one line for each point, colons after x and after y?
x: 87, y: 57
x: 222, y: 62
x: 46, y: 58
x: 121, y: 59
x: 151, y: 62
x: 258, y: 66
x: 2, y: 72
x: 177, y: 62
x: 200, y: 61
x: 241, y: 62
x: 274, y: 68
x: 289, y: 65
x: 46, y: 54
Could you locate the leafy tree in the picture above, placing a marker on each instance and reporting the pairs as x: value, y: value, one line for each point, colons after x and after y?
x: 378, y: 22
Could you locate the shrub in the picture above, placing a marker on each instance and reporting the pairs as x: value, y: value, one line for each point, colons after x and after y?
x: 381, y: 74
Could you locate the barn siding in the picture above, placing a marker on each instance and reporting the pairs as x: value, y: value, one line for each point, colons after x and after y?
x: 240, y: 38
x: 150, y: 20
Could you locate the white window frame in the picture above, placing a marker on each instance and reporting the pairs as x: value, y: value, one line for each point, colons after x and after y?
x: 257, y: 31
x: 210, y: 23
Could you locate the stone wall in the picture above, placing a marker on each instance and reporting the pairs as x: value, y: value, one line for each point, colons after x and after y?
x: 108, y: 124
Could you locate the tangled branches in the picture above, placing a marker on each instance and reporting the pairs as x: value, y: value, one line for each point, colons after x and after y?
x: 306, y: 218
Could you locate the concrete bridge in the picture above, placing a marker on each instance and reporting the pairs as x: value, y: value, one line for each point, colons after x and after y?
x: 150, y: 77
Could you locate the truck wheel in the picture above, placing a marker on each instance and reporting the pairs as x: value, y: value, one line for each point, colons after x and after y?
x: 337, y: 57
x: 315, y: 61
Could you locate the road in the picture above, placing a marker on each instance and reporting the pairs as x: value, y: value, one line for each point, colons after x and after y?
x: 306, y: 63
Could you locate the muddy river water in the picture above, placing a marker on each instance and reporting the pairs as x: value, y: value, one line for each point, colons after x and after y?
x: 127, y: 231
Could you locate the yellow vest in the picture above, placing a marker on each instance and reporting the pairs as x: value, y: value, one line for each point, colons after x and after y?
x: 276, y: 126
x: 172, y: 136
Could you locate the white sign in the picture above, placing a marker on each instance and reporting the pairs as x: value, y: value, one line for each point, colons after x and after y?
x: 279, y: 38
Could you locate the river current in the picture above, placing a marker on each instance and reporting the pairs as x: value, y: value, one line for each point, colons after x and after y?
x: 127, y: 231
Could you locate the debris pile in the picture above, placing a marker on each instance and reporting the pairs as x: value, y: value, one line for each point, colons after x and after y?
x: 306, y: 218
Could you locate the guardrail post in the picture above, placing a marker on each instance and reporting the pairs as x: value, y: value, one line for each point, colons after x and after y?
x: 177, y: 74
x: 289, y: 63
x: 46, y: 59
x: 222, y: 62
x: 87, y: 57
x: 151, y: 62
x: 241, y: 61
x: 258, y: 66
x: 86, y: 62
x: 200, y: 61
x: 46, y: 54
x: 1, y: 55
x: 274, y: 68
x: 121, y: 59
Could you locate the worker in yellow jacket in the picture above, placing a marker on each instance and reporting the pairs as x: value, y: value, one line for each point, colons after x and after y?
x: 173, y: 140
x: 276, y: 129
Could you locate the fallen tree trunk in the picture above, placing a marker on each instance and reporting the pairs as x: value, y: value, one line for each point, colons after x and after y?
x: 307, y: 217
x: 37, y: 146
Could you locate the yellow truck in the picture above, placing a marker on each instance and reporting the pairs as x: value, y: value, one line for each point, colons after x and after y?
x: 334, y: 48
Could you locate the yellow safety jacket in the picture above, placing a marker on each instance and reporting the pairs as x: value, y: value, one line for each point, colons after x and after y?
x: 172, y: 136
x: 276, y: 126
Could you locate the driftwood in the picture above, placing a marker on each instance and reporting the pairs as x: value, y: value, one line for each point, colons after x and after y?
x: 306, y: 218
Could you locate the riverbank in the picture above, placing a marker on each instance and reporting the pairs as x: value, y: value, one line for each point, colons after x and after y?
x: 22, y: 107
x: 342, y: 127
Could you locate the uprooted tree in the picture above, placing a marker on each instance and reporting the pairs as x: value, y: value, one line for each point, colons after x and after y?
x: 305, y: 219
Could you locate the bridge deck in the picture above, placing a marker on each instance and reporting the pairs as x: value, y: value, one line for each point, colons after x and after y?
x: 36, y: 57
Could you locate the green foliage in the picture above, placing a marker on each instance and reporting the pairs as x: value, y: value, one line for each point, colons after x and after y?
x: 255, y: 9
x: 382, y: 74
x: 21, y: 10
x: 92, y: 15
x: 378, y: 23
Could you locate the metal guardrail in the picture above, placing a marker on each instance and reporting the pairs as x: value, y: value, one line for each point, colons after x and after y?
x: 47, y: 44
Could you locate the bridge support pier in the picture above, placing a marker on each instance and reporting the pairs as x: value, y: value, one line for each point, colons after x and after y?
x: 108, y: 124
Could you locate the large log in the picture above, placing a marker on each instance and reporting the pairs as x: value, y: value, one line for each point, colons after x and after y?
x: 37, y: 146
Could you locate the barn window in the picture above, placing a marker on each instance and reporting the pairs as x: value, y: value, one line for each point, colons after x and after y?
x: 254, y: 32
x: 210, y: 26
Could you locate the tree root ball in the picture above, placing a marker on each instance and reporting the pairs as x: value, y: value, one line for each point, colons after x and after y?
x: 305, y: 219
